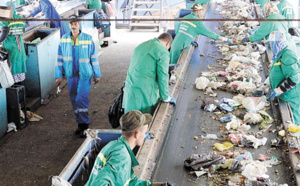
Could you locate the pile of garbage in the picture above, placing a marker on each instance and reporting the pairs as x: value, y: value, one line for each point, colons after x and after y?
x: 238, y: 72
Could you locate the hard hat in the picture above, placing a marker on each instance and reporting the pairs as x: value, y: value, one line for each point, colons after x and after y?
x: 197, y: 6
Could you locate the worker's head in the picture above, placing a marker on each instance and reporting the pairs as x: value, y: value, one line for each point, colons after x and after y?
x: 74, y: 24
x: 166, y: 39
x: 134, y: 126
x: 277, y: 42
x: 270, y: 8
x: 197, y: 9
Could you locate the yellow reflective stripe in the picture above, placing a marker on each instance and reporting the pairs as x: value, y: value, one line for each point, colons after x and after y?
x: 15, y: 23
x: 66, y: 40
x: 127, y: 182
x: 186, y: 34
x: 190, y: 23
x: 85, y: 42
x: 103, y: 159
x: 286, y: 7
x: 277, y: 64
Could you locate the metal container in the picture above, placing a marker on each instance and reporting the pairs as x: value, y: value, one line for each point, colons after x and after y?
x: 41, y: 59
x: 78, y: 169
x: 3, y: 112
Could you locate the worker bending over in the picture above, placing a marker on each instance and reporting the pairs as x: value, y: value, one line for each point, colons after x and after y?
x: 13, y: 43
x: 286, y: 9
x: 50, y: 13
x: 114, y: 164
x: 78, y: 59
x: 147, y: 81
x: 284, y: 74
x: 188, y: 30
x: 266, y: 27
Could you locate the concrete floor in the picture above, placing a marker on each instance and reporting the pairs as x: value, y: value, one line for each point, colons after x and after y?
x: 29, y: 156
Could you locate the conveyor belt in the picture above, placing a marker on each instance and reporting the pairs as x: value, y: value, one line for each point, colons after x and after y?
x: 189, y: 120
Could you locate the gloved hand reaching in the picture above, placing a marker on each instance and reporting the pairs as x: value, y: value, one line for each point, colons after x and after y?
x: 171, y: 100
x: 274, y: 93
x: 246, y: 39
x: 251, y: 32
x: 194, y: 43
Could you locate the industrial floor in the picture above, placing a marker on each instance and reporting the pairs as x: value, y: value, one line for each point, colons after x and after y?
x: 29, y: 156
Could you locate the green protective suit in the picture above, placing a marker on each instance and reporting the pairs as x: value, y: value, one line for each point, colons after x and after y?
x: 262, y: 2
x: 114, y: 166
x: 17, y: 53
x: 147, y: 77
x: 287, y: 10
x: 267, y: 27
x: 94, y: 4
x: 202, y: 1
x: 286, y: 65
x: 186, y: 33
x: 20, y: 2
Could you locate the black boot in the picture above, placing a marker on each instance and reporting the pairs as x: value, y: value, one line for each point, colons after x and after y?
x: 83, y: 128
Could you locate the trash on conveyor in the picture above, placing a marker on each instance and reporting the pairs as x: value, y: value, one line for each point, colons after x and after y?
x: 32, y: 116
x: 199, y: 161
x: 224, y: 146
x: 210, y: 136
x: 11, y: 126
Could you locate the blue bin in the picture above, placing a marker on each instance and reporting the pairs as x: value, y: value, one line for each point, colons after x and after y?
x: 181, y: 14
x: 3, y: 112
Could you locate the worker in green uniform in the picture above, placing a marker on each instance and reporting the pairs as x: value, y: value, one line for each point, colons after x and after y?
x: 11, y: 36
x: 284, y: 74
x: 261, y: 2
x: 286, y: 9
x: 20, y: 2
x: 188, y: 30
x: 94, y: 4
x: 266, y: 27
x: 114, y: 164
x: 147, y: 81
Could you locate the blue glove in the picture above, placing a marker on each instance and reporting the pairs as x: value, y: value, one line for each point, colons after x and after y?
x: 172, y: 101
x: 246, y: 39
x: 229, y: 41
x: 251, y: 32
x: 194, y: 43
x: 258, y: 93
x: 272, y: 94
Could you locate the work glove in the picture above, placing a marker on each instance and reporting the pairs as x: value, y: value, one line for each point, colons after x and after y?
x: 274, y: 93
x: 229, y: 41
x: 194, y: 43
x: 162, y: 184
x: 171, y: 100
x: 246, y: 39
x: 251, y: 32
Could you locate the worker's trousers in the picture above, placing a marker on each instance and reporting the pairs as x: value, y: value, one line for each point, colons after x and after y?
x: 79, y: 90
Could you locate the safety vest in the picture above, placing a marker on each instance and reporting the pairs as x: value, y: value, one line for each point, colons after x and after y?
x: 88, y: 58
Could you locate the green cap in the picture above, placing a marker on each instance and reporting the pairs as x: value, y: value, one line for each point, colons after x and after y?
x: 197, y: 6
x: 133, y: 120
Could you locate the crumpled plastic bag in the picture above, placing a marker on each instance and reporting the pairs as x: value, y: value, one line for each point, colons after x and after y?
x: 201, y: 83
x: 11, y: 126
x: 253, y: 118
x: 255, y: 104
x: 267, y: 119
x: 239, y: 98
x: 236, y: 124
x: 245, y: 156
x: 236, y: 138
x: 244, y: 87
x: 230, y: 164
x: 58, y: 181
x: 215, y: 85
x: 224, y: 146
x: 198, y: 161
x: 255, y: 169
x: 255, y: 141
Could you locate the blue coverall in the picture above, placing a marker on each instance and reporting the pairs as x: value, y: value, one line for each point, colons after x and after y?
x: 79, y: 61
x: 50, y: 13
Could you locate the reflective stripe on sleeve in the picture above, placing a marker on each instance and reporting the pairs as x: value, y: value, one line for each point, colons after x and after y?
x: 186, y: 34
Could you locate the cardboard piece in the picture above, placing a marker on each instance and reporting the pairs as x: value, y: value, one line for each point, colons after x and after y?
x: 6, y: 12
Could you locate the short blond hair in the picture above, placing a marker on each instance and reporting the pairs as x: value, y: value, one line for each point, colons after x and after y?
x: 270, y: 8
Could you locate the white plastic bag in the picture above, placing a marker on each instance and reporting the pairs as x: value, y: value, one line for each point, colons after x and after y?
x: 255, y: 169
x: 6, y: 78
x: 201, y: 83
x: 58, y: 181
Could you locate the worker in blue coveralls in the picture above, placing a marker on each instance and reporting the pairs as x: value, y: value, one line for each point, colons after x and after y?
x: 77, y: 58
x: 50, y: 13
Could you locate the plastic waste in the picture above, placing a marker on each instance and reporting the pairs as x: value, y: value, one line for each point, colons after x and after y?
x: 275, y: 142
x: 11, y: 126
x: 255, y: 141
x: 245, y: 156
x: 255, y: 104
x: 281, y: 133
x: 201, y: 83
x: 200, y: 173
x: 255, y: 169
x: 199, y: 161
x: 226, y: 107
x: 294, y: 128
x: 227, y: 119
x: 224, y: 146
x: 210, y: 107
x: 210, y: 136
x: 253, y: 118
x: 236, y: 138
x: 215, y: 85
x: 230, y: 102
